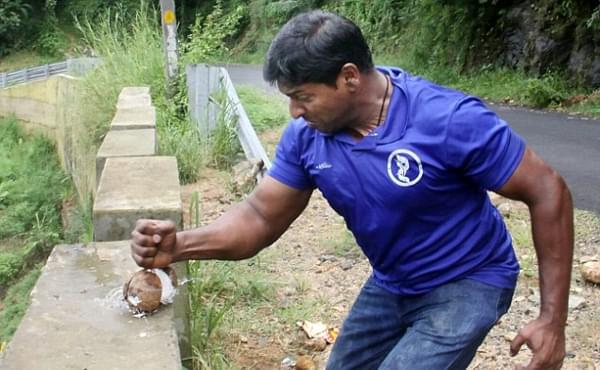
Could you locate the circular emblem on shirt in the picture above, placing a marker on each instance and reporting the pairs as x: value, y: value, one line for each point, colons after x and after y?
x: 404, y: 167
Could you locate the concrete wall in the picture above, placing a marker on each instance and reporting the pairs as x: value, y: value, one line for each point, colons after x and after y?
x: 49, y: 107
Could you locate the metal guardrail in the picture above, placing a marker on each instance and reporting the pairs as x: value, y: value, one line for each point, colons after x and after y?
x: 204, y: 80
x: 77, y: 66
x: 251, y: 144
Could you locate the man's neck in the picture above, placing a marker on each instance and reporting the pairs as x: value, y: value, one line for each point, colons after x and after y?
x: 372, y: 105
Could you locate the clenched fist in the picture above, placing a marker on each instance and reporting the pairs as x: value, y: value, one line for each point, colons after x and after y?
x: 153, y: 243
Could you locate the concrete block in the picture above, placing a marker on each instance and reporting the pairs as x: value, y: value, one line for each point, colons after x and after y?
x: 134, y: 118
x: 132, y: 188
x: 125, y: 143
x: 134, y: 91
x: 76, y: 319
x: 134, y: 96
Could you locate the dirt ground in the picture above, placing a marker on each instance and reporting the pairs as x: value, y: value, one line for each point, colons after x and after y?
x: 317, y: 272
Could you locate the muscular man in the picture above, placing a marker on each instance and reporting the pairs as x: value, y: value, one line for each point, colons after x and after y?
x: 408, y: 164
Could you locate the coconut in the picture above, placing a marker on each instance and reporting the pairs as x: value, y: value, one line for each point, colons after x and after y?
x: 146, y: 290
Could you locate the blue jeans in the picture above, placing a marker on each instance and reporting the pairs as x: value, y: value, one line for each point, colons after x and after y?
x: 437, y: 330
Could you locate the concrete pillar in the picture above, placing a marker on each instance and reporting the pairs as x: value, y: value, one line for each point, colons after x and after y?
x: 134, y: 118
x: 132, y: 97
x: 125, y: 143
x: 131, y: 188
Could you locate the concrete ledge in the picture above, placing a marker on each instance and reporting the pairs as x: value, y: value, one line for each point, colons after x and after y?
x: 75, y: 320
x: 134, y: 118
x: 131, y: 97
x: 135, y: 187
x: 125, y: 143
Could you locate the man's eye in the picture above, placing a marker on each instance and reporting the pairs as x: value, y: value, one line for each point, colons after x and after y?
x: 303, y: 98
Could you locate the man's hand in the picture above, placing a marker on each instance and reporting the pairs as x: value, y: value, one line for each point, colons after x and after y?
x: 153, y: 243
x: 547, y: 342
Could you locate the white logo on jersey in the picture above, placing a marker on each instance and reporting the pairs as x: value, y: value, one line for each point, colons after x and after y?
x: 404, y: 167
x: 324, y: 166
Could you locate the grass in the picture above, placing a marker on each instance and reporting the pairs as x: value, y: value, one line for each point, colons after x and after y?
x: 342, y: 244
x: 264, y: 111
x: 217, y: 293
x: 587, y: 229
x: 509, y: 86
x: 132, y: 55
x: 15, y: 304
x: 24, y: 59
x: 32, y: 190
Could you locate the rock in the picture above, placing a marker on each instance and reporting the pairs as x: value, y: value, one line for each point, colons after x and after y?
x: 576, y: 302
x: 305, y: 363
x: 288, y: 363
x: 504, y: 209
x: 509, y: 336
x: 316, y: 344
x: 347, y: 265
x: 327, y: 258
x: 243, y: 178
x: 495, y: 198
x: 591, y: 271
x: 534, y: 298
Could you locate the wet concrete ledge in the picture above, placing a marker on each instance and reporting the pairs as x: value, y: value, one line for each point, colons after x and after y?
x: 76, y: 319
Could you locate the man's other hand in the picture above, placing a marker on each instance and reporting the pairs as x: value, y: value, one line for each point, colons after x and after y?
x: 546, y: 341
x: 153, y: 243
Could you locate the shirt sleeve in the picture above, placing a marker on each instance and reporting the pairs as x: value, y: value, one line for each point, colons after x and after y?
x: 481, y: 145
x: 287, y: 166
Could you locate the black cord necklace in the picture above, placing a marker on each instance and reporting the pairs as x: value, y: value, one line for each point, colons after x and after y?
x: 387, y: 85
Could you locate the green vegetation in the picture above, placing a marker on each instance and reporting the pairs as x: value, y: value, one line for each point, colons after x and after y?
x: 15, y: 304
x: 132, y: 55
x: 264, y: 111
x: 450, y: 43
x: 32, y: 190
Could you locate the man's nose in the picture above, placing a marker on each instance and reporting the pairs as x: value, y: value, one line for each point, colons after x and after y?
x: 296, y: 110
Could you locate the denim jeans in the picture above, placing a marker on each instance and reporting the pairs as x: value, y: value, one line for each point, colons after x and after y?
x: 440, y: 329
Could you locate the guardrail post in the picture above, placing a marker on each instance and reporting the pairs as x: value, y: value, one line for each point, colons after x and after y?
x: 46, y: 70
x: 3, y: 79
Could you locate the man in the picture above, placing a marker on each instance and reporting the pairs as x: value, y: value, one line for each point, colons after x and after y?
x: 407, y: 164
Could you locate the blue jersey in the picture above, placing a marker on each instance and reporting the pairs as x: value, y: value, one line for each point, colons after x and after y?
x: 413, y: 191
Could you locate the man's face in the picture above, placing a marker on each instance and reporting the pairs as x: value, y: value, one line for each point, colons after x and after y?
x: 324, y: 107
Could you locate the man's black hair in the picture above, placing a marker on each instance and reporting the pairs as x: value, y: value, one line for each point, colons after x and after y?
x: 313, y: 47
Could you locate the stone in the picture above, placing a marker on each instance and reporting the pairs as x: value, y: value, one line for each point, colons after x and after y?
x: 327, y: 258
x: 590, y: 271
x: 316, y: 344
x: 132, y: 188
x: 77, y: 319
x: 243, y: 178
x: 504, y: 209
x: 347, y: 265
x: 576, y: 302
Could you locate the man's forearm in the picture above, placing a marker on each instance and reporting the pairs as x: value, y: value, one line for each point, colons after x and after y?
x: 552, y: 226
x: 237, y: 234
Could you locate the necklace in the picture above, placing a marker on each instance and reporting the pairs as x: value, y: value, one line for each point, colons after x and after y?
x: 387, y: 85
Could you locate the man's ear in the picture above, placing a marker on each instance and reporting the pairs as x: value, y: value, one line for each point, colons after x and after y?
x: 349, y: 77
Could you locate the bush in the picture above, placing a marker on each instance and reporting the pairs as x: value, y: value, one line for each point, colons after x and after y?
x: 543, y: 92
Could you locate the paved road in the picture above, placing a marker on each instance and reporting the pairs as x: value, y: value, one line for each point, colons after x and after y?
x: 570, y: 144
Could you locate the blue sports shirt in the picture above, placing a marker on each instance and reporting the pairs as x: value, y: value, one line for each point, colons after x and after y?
x: 413, y: 191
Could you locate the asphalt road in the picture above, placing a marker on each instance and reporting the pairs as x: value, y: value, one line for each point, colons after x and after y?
x: 569, y: 144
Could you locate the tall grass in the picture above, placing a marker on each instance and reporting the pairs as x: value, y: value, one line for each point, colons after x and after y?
x: 32, y: 189
x: 132, y: 55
